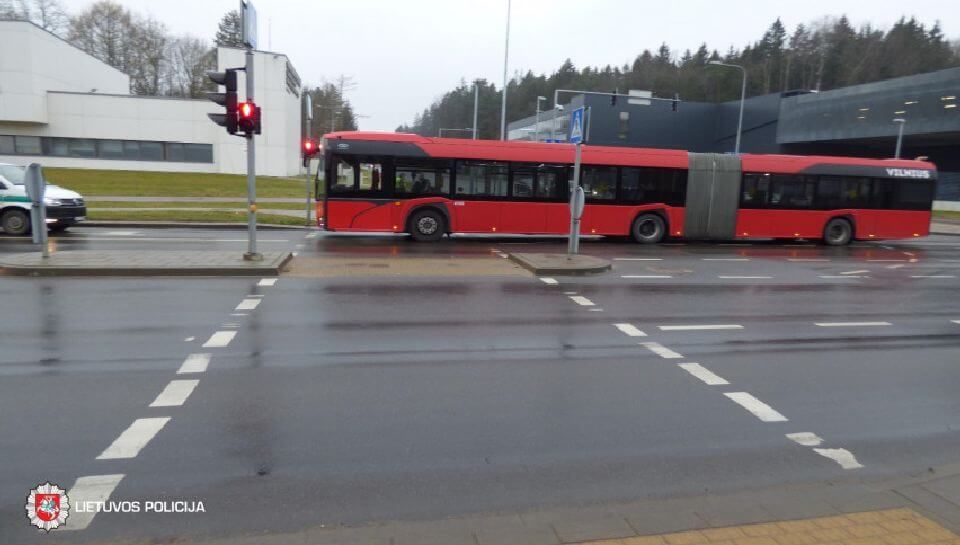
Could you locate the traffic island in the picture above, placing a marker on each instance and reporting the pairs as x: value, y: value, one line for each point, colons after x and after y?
x: 141, y: 263
x: 561, y: 264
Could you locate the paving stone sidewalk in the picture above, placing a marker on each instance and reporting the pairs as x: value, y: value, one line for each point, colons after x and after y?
x: 141, y: 263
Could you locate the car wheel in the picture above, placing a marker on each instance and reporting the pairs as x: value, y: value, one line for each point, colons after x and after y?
x: 648, y: 229
x: 15, y: 222
x: 838, y: 232
x: 427, y: 226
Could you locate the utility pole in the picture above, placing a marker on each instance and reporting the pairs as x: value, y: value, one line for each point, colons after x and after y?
x: 249, y: 18
x: 476, y: 105
x: 899, y: 121
x: 506, y: 57
x: 309, y: 120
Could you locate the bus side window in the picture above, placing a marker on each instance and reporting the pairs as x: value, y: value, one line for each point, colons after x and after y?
x: 915, y: 194
x: 345, y: 177
x: 371, y: 177
x: 547, y: 186
x: 754, y: 191
x: 883, y: 195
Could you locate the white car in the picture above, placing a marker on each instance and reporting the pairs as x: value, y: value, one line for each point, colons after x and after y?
x: 64, y: 207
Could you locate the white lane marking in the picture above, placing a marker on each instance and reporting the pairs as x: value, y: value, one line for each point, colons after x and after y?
x: 704, y: 374
x: 698, y: 327
x: 549, y: 281
x: 121, y: 233
x: 195, y: 363
x: 239, y: 314
x: 852, y: 324
x: 888, y: 247
x: 569, y: 293
x: 134, y: 438
x: 596, y: 310
x: 808, y: 259
x: 648, y: 276
x: 662, y: 351
x: 886, y: 260
x: 638, y: 259
x: 861, y: 271
x: 911, y: 254
x: 837, y: 276
x: 744, y: 277
x: 90, y: 488
x: 630, y: 330
x: 805, y: 438
x: 220, y: 339
x: 248, y: 304
x: 230, y: 324
x: 842, y: 456
x: 189, y: 339
x: 175, y: 394
x: 758, y: 408
x: 955, y: 321
x: 725, y: 259
x: 581, y: 300
x: 933, y: 276
x: 897, y: 266
x: 267, y: 282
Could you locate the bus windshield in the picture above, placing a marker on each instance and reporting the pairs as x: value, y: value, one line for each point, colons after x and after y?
x: 319, y: 187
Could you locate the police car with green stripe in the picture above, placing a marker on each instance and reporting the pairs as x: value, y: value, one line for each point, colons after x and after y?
x: 64, y: 207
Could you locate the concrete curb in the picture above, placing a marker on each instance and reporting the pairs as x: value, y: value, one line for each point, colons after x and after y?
x: 187, y: 224
x: 561, y: 264
x: 272, y: 267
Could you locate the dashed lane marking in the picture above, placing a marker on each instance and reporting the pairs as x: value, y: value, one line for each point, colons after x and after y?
x: 662, y: 351
x: 842, y: 456
x: 698, y: 327
x: 581, y: 300
x: 90, y: 488
x: 758, y: 408
x: 852, y: 324
x: 189, y: 339
x: 646, y: 276
x: 955, y: 321
x: 255, y: 296
x: 707, y: 376
x: 220, y: 339
x: 195, y: 363
x: 805, y: 438
x: 886, y: 260
x: 175, y: 394
x: 267, y: 282
x: 745, y: 277
x: 897, y: 266
x: 549, y: 281
x: 596, y: 310
x: 838, y: 276
x: 248, y: 304
x: 861, y: 271
x: 725, y: 259
x: 134, y: 438
x: 239, y: 314
x: 630, y: 329
x: 638, y: 259
x: 934, y: 276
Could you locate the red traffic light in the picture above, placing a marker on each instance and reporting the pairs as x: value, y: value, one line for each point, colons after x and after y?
x: 308, y: 146
x: 247, y: 110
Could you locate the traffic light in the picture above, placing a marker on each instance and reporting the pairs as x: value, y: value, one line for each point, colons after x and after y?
x: 310, y: 148
x: 249, y: 118
x: 228, y: 99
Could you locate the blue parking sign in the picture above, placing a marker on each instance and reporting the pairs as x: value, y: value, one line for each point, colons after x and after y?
x: 576, y: 126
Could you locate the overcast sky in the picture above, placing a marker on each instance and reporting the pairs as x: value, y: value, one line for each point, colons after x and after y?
x: 403, y: 54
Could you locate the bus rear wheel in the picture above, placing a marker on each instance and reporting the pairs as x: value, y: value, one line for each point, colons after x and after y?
x: 427, y: 226
x: 648, y: 229
x: 838, y: 232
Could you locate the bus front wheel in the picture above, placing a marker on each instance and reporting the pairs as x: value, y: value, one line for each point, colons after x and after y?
x: 427, y: 226
x: 838, y: 232
x: 648, y: 229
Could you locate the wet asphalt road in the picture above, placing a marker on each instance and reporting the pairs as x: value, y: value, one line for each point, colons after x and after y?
x: 357, y: 399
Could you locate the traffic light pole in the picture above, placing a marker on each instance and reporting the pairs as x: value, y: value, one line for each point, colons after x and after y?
x: 252, y: 254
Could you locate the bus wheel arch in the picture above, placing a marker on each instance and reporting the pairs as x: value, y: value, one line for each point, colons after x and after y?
x: 839, y: 230
x: 428, y: 223
x: 649, y: 227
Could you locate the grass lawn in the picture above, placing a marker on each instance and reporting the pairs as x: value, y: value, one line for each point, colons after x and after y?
x: 94, y: 203
x: 946, y: 214
x: 131, y: 183
x: 187, y: 215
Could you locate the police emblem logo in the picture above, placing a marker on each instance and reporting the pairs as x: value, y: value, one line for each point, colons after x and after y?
x: 47, y: 506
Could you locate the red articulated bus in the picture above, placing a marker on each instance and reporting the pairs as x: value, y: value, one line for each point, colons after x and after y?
x: 428, y: 187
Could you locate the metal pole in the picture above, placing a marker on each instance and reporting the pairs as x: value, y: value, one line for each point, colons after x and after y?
x: 537, y: 132
x: 902, y: 122
x: 743, y: 96
x: 251, y: 254
x: 307, y: 181
x: 574, y: 244
x: 476, y: 106
x: 506, y: 57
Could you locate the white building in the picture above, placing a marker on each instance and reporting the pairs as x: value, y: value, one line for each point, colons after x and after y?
x: 61, y: 107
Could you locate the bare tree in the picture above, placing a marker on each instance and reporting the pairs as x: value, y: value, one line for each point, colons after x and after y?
x: 50, y: 15
x: 14, y: 10
x: 148, y: 61
x: 105, y: 31
x: 189, y: 60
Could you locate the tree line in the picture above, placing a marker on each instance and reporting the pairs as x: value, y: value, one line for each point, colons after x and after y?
x: 823, y: 55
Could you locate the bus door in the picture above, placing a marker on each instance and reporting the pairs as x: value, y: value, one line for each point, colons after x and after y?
x: 523, y: 213
x: 479, y: 195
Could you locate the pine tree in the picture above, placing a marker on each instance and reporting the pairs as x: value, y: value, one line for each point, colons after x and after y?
x: 229, y: 31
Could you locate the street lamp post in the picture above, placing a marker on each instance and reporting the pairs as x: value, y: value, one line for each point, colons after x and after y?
x: 899, y: 121
x: 538, y: 117
x: 743, y: 97
x: 557, y: 109
x: 506, y: 57
x: 476, y: 105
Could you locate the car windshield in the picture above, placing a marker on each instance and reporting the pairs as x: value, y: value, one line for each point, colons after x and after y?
x: 12, y: 174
